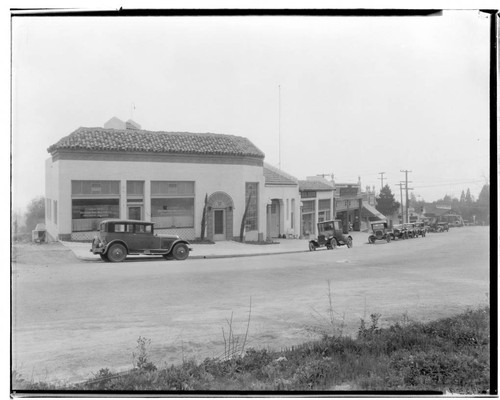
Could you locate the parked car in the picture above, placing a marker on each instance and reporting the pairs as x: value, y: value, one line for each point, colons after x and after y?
x: 330, y: 236
x: 119, y: 238
x: 399, y: 232
x: 380, y: 232
x: 410, y: 228
x: 420, y: 229
x: 443, y: 226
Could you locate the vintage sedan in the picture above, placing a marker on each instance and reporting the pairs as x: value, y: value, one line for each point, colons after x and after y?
x: 330, y: 236
x: 410, y: 228
x: 420, y: 229
x: 380, y: 231
x: 119, y: 238
x: 399, y: 232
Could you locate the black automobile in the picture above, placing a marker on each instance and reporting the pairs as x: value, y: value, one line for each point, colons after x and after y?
x: 119, y: 238
x: 443, y: 226
x: 330, y: 236
x: 380, y: 231
x: 399, y: 232
x: 410, y: 228
x: 420, y: 229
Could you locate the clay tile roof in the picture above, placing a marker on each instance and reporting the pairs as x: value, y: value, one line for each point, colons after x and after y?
x: 275, y: 176
x: 314, y: 185
x: 100, y: 139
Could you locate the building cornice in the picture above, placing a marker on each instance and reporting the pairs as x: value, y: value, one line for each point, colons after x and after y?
x: 116, y: 156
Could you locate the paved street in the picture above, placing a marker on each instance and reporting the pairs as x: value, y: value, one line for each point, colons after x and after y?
x: 71, y: 319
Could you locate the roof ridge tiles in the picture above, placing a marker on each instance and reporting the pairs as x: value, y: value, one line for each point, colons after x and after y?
x: 108, y: 139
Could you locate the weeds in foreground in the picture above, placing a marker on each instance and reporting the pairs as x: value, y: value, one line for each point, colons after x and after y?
x: 448, y: 355
x: 331, y: 324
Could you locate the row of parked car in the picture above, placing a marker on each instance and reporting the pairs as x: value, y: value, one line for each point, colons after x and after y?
x: 331, y: 235
x: 381, y: 230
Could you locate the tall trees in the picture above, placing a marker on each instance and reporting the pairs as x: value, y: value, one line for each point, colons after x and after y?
x: 35, y: 213
x: 386, y: 204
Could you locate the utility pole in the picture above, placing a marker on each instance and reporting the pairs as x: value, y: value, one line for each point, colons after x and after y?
x: 406, y: 188
x: 401, y: 184
x: 381, y: 179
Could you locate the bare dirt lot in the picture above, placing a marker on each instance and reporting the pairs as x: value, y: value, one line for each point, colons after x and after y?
x: 71, y: 318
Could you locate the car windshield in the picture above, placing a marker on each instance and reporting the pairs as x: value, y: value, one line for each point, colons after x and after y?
x: 378, y: 226
x: 327, y: 226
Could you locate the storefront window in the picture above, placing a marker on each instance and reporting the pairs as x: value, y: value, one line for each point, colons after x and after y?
x: 173, y: 212
x: 88, y: 213
x: 172, y: 204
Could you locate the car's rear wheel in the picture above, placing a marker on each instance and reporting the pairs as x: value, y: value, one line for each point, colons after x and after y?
x: 388, y: 238
x: 180, y: 251
x: 104, y: 257
x: 116, y: 253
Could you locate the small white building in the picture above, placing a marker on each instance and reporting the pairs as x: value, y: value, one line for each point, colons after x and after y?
x: 283, y: 203
x: 165, y: 177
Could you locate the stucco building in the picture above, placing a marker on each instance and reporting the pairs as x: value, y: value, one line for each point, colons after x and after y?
x: 165, y: 177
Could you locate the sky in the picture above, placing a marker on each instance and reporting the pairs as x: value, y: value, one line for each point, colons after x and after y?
x: 348, y: 96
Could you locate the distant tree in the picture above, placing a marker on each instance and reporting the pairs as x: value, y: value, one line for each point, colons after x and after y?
x: 386, y: 204
x: 483, y: 205
x: 484, y: 196
x: 35, y: 213
x: 462, y: 198
x: 413, y: 199
x: 468, y: 198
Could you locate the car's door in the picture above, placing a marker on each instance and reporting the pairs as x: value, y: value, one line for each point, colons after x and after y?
x: 143, y: 238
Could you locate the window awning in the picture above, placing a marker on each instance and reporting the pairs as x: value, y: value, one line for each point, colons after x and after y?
x: 371, y: 212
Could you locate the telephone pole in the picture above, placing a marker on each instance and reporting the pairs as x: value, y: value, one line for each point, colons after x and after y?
x: 406, y: 188
x: 381, y: 179
x: 401, y: 184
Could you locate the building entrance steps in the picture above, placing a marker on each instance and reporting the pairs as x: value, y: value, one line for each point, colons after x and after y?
x: 224, y: 249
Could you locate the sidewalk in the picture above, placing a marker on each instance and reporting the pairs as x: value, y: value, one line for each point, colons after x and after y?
x: 224, y: 249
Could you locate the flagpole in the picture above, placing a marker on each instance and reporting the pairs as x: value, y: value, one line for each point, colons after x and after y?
x: 279, y: 126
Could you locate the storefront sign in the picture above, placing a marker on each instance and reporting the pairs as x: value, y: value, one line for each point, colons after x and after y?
x: 348, y: 192
x: 307, y: 194
x: 94, y: 213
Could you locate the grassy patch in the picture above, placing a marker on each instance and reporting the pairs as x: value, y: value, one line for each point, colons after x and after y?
x: 451, y: 354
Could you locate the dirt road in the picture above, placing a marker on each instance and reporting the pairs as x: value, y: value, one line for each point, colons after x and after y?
x: 72, y: 318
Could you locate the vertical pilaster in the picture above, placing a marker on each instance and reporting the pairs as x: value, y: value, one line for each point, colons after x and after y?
x: 123, y: 199
x: 147, y: 200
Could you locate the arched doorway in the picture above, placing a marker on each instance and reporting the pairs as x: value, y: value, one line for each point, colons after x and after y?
x: 220, y: 217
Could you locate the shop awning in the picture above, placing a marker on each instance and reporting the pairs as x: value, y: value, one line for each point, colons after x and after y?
x: 371, y: 212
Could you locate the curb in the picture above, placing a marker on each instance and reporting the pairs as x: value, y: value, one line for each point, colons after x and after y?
x: 210, y: 256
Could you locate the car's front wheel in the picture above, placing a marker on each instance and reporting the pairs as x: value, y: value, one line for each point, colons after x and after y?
x: 388, y: 238
x: 168, y: 256
x: 333, y: 244
x: 180, y: 251
x: 116, y: 253
x: 104, y: 257
x: 349, y: 242
x: 312, y: 247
